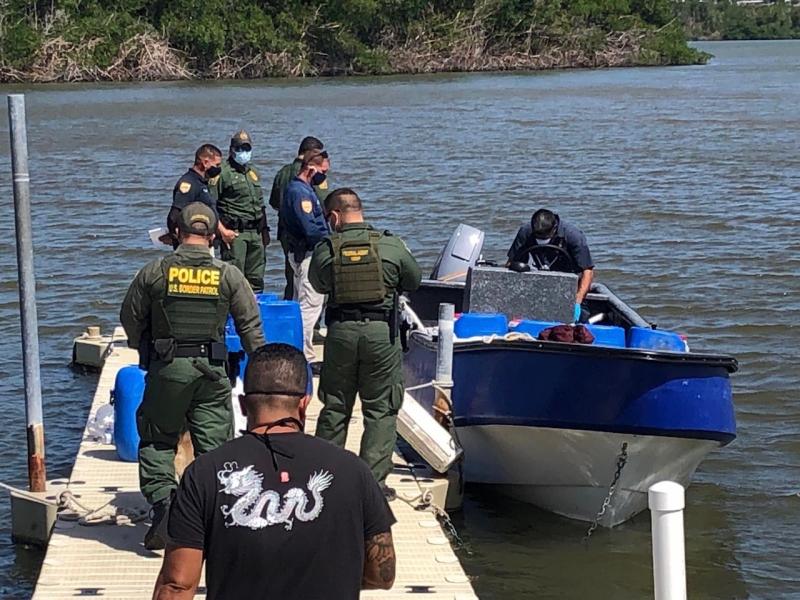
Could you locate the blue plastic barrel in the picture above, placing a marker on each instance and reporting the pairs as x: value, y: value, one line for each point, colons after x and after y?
x: 479, y: 324
x: 608, y: 335
x: 533, y: 328
x: 653, y: 339
x: 282, y: 322
x: 128, y: 393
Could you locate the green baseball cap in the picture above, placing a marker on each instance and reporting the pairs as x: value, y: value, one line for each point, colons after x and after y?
x: 198, y: 218
x: 241, y: 138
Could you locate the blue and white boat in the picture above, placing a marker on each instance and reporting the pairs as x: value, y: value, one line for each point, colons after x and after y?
x: 551, y: 423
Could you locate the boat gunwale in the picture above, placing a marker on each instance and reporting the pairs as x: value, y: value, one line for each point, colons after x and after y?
x: 729, y: 363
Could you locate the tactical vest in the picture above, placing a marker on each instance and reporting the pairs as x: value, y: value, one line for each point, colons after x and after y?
x: 192, y: 308
x: 357, y: 270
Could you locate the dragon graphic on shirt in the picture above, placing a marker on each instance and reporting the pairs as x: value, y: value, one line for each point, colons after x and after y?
x: 258, y: 508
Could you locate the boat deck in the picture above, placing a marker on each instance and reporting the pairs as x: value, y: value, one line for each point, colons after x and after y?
x: 109, y: 561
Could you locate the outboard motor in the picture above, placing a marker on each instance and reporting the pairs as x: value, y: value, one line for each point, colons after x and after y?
x: 461, y: 252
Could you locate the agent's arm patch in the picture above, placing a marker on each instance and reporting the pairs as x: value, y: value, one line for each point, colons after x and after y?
x: 193, y: 282
x: 307, y: 206
x: 184, y: 187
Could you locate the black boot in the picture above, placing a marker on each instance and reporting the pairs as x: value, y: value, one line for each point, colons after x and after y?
x: 156, y: 537
x: 388, y: 492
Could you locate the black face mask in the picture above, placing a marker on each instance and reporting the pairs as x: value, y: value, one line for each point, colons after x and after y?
x: 212, y: 172
x: 318, y: 178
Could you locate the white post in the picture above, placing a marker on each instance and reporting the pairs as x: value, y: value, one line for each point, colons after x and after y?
x: 666, y: 502
x: 444, y: 350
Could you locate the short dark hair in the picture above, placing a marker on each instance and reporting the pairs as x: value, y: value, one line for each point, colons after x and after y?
x: 310, y: 143
x: 543, y: 223
x: 344, y: 200
x: 314, y: 157
x: 276, y: 376
x: 206, y: 151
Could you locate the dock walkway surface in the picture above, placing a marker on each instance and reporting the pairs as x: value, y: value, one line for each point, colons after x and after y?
x: 109, y: 561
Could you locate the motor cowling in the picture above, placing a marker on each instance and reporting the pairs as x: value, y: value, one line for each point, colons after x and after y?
x: 462, y: 251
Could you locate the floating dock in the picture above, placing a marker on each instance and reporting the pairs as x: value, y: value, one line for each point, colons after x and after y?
x: 109, y: 560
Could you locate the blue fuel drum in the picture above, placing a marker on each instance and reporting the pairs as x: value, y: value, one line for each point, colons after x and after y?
x: 127, y: 396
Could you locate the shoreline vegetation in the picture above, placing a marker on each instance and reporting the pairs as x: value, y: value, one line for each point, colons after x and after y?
x: 48, y: 41
x: 729, y: 20
x: 45, y: 41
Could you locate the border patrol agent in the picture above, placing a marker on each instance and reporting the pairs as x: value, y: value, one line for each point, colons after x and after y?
x: 363, y: 271
x: 243, y: 228
x: 174, y: 313
x: 193, y: 187
x: 547, y: 230
x: 279, y: 185
x: 305, y: 226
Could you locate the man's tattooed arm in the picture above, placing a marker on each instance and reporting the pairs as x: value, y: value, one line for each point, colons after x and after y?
x: 379, y: 562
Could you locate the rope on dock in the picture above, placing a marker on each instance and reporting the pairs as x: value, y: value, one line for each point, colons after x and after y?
x: 70, y: 509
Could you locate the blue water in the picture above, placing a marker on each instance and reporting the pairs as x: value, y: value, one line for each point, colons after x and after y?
x: 686, y: 181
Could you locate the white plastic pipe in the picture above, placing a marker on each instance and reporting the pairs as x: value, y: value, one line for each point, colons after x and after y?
x: 444, y: 351
x: 666, y: 502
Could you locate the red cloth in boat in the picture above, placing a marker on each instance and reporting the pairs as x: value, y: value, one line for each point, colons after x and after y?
x: 567, y: 333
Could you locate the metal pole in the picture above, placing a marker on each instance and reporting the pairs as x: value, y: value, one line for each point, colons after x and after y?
x: 666, y: 502
x: 27, y: 292
x: 442, y: 402
x: 444, y: 351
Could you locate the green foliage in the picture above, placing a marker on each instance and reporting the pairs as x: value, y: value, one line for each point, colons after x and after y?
x: 351, y: 36
x: 18, y: 43
x: 668, y: 47
x: 727, y: 20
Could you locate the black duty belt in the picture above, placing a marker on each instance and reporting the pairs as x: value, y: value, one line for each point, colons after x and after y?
x: 334, y: 315
x: 210, y: 350
x: 238, y: 224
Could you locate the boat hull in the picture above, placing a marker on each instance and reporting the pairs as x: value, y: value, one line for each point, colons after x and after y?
x: 545, y: 422
x: 568, y: 472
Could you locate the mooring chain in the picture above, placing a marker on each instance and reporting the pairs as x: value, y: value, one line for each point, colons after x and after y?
x: 426, y: 504
x: 622, y: 460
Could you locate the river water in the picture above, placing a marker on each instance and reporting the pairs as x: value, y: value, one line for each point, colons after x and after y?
x: 685, y: 180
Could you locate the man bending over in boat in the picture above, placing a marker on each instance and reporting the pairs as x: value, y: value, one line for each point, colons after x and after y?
x: 555, y: 245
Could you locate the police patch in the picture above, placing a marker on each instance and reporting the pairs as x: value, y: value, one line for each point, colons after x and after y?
x: 193, y: 282
x: 323, y: 185
x: 184, y: 187
x: 307, y: 206
x: 252, y: 175
x: 214, y: 180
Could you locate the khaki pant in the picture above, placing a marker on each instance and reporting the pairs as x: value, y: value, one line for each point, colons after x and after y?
x: 310, y: 301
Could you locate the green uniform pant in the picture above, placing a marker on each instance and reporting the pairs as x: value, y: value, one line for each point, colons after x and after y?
x: 177, y: 396
x: 360, y: 360
x: 246, y: 252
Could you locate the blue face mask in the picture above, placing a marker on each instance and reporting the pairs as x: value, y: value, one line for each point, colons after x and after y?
x: 318, y: 177
x: 243, y: 156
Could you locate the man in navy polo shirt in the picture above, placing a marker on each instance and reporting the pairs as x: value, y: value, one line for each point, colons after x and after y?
x: 553, y: 244
x: 305, y: 226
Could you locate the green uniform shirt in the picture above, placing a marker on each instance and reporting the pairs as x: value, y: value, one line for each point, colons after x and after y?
x: 401, y: 273
x: 237, y: 192
x: 149, y: 284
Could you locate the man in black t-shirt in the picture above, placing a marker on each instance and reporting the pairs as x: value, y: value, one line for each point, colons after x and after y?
x: 277, y: 513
